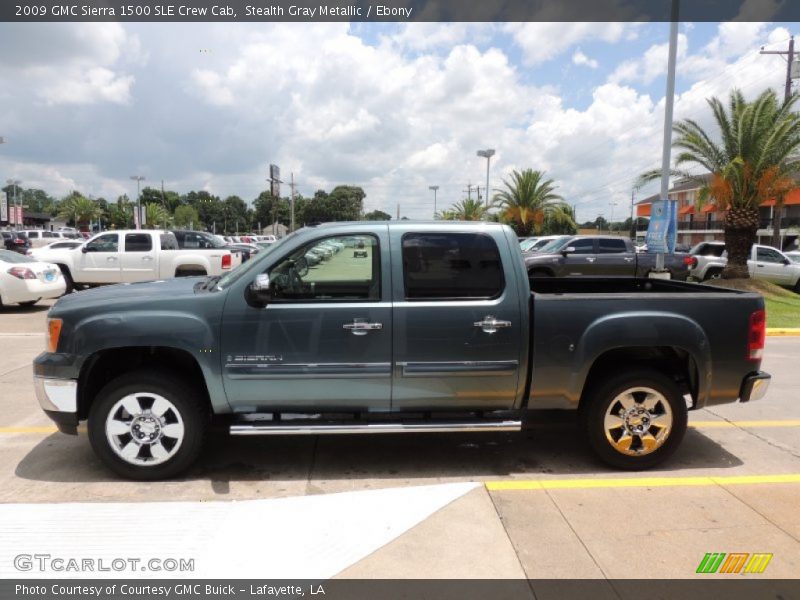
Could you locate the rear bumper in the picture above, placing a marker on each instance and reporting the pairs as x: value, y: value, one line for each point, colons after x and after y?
x: 59, y: 400
x: 754, y: 386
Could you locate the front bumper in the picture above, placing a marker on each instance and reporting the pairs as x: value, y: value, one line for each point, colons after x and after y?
x: 59, y: 400
x: 754, y: 386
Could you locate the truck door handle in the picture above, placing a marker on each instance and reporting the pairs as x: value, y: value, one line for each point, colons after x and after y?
x: 491, y: 325
x: 590, y: 258
x: 147, y: 258
x: 628, y: 259
x: 111, y: 258
x: 358, y: 327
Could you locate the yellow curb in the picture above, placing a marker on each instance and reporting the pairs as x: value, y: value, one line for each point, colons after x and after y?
x: 582, y: 484
x: 783, y: 331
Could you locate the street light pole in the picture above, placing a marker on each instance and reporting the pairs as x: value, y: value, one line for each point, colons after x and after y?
x: 434, y: 188
x: 611, y: 222
x: 487, y: 154
x: 138, y: 179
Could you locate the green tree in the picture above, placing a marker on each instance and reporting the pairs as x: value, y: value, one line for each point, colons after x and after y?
x: 377, y: 215
x: 120, y: 214
x: 529, y: 200
x: 78, y: 209
x: 754, y: 158
x: 185, y: 216
x: 156, y: 216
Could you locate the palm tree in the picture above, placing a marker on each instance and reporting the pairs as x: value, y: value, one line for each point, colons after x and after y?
x: 755, y: 160
x: 466, y: 210
x: 156, y: 215
x: 79, y: 209
x: 529, y: 201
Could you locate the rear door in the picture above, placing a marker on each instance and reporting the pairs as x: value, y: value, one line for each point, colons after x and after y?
x: 457, y: 322
x: 99, y: 262
x: 614, y: 258
x: 138, y: 257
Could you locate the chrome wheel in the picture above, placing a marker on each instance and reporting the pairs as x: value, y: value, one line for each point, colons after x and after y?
x: 144, y: 429
x: 638, y: 421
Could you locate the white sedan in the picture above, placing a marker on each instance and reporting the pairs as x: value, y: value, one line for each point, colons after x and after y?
x: 25, y: 281
x: 45, y: 253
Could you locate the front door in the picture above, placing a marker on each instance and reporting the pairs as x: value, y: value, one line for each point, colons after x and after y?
x: 324, y: 341
x: 457, y: 324
x: 580, y: 258
x: 770, y: 265
x: 613, y: 259
x: 99, y: 262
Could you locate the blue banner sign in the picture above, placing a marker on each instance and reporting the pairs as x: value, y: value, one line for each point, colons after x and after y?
x: 662, y: 231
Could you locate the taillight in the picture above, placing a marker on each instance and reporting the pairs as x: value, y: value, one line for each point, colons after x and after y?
x: 19, y: 242
x: 756, y: 335
x: 690, y: 261
x: 226, y: 261
x: 21, y: 273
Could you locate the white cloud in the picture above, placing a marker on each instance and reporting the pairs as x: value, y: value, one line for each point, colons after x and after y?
x: 541, y: 42
x: 579, y: 58
x: 651, y: 65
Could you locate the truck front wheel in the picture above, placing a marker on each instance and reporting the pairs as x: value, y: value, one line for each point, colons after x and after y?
x: 146, y: 425
x: 636, y: 419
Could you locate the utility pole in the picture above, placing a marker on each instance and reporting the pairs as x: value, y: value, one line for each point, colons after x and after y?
x: 633, y: 220
x: 611, y: 220
x: 787, y: 93
x: 398, y: 211
x: 291, y: 200
x: 138, y: 179
x: 434, y: 188
x: 469, y: 191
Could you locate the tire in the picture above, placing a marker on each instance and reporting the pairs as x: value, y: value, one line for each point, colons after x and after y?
x: 70, y: 283
x: 713, y: 274
x: 656, y: 417
x: 170, y: 440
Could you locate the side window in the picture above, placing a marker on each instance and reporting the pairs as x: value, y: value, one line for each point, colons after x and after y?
x: 108, y: 242
x: 448, y: 266
x: 583, y: 246
x: 341, y: 268
x: 608, y: 246
x: 34, y: 235
x: 49, y: 234
x: 138, y: 242
x: 168, y: 241
x: 768, y: 255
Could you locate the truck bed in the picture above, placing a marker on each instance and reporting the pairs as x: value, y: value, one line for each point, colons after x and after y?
x: 656, y: 319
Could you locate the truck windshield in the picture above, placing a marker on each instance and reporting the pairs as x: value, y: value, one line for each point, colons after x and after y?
x: 253, y: 265
x: 556, y: 244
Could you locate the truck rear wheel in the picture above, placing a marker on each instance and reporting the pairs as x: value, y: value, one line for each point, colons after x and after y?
x: 636, y: 419
x: 147, y: 425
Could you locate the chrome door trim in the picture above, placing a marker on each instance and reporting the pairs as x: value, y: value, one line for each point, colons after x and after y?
x: 308, y: 370
x: 466, y: 368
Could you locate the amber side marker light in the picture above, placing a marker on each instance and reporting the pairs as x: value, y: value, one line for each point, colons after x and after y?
x: 53, y: 333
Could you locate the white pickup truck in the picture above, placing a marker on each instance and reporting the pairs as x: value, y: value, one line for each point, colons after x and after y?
x: 126, y: 256
x: 765, y: 262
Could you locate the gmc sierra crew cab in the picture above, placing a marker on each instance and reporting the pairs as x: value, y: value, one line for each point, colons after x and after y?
x: 410, y: 327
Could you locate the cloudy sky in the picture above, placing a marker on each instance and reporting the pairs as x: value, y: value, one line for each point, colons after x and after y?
x: 391, y: 107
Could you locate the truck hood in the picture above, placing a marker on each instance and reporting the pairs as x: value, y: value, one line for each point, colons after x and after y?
x: 132, y: 293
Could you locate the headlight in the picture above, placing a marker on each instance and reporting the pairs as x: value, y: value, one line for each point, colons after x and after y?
x: 52, y: 334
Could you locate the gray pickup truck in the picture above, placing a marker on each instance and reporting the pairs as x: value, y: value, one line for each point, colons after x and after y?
x: 407, y: 327
x: 600, y: 256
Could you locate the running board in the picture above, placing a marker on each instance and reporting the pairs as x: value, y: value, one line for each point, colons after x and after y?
x: 331, y: 429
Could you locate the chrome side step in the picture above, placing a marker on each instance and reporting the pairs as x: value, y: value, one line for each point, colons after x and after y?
x: 331, y: 428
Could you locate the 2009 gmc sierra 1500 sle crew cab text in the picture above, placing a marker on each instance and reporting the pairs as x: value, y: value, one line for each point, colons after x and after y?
x: 419, y: 327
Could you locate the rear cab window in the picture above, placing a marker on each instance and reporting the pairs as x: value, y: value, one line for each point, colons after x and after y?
x: 138, y: 242
x: 451, y: 266
x: 609, y: 246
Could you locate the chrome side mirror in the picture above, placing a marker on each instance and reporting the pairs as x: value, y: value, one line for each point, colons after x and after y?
x: 568, y: 250
x: 258, y: 292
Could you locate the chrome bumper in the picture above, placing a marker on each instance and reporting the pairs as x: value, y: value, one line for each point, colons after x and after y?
x: 56, y: 395
x: 754, y: 387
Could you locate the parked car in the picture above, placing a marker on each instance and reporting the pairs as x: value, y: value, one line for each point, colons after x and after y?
x: 600, y: 256
x: 765, y: 263
x: 127, y: 256
x: 707, y: 260
x: 15, y: 241
x: 444, y: 333
x: 535, y: 244
x: 246, y: 250
x: 25, y: 281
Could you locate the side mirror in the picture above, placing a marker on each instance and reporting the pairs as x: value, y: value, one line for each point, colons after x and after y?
x: 786, y: 261
x: 84, y: 249
x: 568, y: 250
x: 258, y: 292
